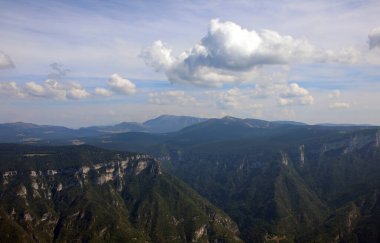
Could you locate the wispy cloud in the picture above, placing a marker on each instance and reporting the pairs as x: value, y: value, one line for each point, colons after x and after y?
x: 340, y: 105
x: 58, y: 71
x: 374, y: 38
x: 172, y: 97
x: 5, y: 61
x: 335, y: 94
x: 237, y: 99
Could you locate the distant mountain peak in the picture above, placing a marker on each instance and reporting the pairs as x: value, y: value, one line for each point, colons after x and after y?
x: 167, y: 116
x: 170, y: 123
x: 22, y: 124
x: 230, y: 118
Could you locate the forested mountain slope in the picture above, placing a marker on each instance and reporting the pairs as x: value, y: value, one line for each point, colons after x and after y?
x: 82, y: 193
x: 277, y: 181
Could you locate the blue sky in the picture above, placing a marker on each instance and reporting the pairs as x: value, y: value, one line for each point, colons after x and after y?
x: 79, y: 63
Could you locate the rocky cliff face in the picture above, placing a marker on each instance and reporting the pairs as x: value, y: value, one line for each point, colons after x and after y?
x: 281, y: 184
x: 125, y: 198
x: 32, y: 198
x: 100, y: 172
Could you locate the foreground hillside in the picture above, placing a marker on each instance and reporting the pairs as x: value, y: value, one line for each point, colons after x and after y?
x: 88, y: 194
x: 278, y: 181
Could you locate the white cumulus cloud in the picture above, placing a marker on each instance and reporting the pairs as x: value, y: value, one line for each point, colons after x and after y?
x: 228, y: 50
x: 103, y: 92
x: 11, y: 89
x: 5, y: 61
x: 293, y: 94
x: 52, y: 89
x: 158, y: 56
x: 374, y: 38
x: 49, y: 89
x: 171, y: 97
x: 121, y: 85
x: 76, y: 91
x: 35, y: 89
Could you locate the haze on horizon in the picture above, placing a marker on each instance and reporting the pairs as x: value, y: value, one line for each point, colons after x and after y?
x: 79, y: 63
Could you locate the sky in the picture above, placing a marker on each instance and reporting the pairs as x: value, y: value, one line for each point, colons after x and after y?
x: 81, y: 63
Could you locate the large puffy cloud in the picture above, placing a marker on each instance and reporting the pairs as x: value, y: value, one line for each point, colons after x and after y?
x: 5, y: 61
x: 182, y: 69
x: 121, y: 85
x: 374, y: 38
x: 158, y: 56
x: 171, y: 97
x: 229, y: 46
x: 228, y: 50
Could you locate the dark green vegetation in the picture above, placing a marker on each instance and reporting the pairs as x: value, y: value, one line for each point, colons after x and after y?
x: 277, y: 180
x: 87, y: 194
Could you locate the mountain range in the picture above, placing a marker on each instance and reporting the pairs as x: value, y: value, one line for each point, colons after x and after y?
x: 276, y: 180
x: 31, y: 133
x: 279, y: 181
